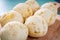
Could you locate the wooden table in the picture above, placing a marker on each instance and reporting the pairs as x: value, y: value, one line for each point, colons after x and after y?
x: 53, y: 32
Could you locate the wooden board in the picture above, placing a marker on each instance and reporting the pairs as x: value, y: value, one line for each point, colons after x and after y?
x: 53, y: 32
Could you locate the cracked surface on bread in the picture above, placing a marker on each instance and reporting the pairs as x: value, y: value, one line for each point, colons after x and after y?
x: 37, y: 26
x: 24, y: 10
x: 11, y: 16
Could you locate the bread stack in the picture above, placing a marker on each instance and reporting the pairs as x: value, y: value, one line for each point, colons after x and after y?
x: 27, y: 19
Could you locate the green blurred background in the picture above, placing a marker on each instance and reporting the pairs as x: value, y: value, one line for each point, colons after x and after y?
x: 6, y: 5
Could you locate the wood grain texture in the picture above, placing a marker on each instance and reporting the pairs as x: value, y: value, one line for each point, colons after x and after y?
x: 53, y: 32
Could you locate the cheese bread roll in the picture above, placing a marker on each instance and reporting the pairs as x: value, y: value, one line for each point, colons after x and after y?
x: 14, y: 30
x: 51, y: 6
x: 11, y: 16
x: 49, y: 16
x: 24, y: 10
x: 33, y: 4
x: 37, y: 26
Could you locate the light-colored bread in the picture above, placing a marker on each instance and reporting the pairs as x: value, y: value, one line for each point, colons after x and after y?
x: 37, y: 26
x: 3, y: 15
x: 49, y: 16
x: 11, y: 16
x: 50, y: 6
x: 57, y: 5
x: 33, y: 4
x: 24, y: 10
x: 14, y: 30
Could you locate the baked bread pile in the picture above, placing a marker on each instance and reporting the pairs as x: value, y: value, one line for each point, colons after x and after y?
x: 27, y: 18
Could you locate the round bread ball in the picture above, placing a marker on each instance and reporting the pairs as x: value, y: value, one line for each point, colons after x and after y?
x: 24, y: 10
x: 37, y: 26
x: 14, y: 30
x: 50, y: 6
x: 33, y: 4
x: 49, y: 16
x: 11, y: 16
